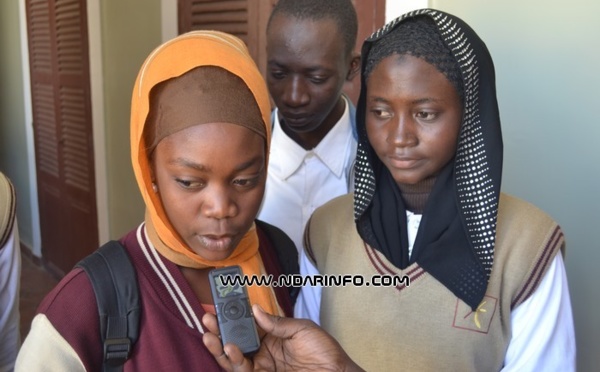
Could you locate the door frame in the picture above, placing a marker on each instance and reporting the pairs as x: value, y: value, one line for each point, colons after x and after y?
x: 98, y: 124
x: 36, y: 249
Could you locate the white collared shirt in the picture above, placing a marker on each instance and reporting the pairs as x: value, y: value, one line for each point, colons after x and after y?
x: 299, y: 181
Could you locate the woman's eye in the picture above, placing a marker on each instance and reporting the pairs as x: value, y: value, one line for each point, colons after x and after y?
x: 381, y: 114
x: 187, y: 184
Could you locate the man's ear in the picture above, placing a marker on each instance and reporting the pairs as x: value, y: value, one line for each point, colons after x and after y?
x: 354, y: 66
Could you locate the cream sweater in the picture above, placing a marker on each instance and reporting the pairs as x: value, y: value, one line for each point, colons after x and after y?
x: 423, y: 326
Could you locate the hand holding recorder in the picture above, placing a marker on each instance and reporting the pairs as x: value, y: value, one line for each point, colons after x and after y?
x: 232, y: 305
x: 288, y: 345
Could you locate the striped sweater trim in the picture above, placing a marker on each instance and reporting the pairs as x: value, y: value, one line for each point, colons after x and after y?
x: 556, y: 240
x: 382, y: 268
x: 8, y: 210
x: 157, y: 264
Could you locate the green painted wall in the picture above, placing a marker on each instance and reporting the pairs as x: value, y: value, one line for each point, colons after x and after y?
x: 130, y: 31
x: 13, y: 142
x: 547, y: 55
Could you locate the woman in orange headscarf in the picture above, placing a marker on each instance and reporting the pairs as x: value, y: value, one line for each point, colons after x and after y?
x: 199, y: 147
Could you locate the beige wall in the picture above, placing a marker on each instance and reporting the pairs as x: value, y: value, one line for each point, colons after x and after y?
x: 130, y: 31
x: 395, y: 8
x: 546, y: 56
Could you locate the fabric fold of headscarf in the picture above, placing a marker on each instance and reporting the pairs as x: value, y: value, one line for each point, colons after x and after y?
x: 456, y: 237
x: 174, y: 59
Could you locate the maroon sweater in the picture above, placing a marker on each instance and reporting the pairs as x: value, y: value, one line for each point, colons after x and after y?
x: 170, y: 330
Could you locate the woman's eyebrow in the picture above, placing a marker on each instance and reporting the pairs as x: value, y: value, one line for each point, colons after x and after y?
x: 248, y: 163
x: 426, y: 100
x: 189, y: 164
x: 201, y: 167
x: 377, y: 99
x: 415, y: 101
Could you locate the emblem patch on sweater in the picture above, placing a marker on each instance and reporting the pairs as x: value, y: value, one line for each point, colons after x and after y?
x: 475, y: 320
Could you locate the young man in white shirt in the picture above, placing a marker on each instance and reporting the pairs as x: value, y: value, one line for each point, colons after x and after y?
x: 309, y: 58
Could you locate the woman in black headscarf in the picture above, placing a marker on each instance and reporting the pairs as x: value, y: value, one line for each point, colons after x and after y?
x: 478, y: 277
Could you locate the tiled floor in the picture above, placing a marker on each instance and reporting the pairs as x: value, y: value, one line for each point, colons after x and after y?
x: 36, y: 282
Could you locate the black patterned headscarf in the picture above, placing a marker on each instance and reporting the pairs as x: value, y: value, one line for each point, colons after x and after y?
x: 456, y: 237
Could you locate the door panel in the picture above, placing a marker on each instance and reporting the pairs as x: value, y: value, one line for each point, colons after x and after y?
x: 241, y: 18
x: 59, y: 69
x: 371, y: 16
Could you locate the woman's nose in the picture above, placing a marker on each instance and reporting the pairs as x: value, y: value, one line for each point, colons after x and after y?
x: 404, y: 132
x: 219, y: 204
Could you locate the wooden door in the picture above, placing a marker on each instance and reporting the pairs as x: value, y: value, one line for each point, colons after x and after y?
x: 60, y: 86
x: 248, y: 19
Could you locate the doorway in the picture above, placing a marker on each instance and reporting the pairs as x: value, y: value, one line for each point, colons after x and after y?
x: 62, y: 128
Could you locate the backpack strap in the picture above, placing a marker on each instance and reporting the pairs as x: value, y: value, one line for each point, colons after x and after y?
x: 115, y: 284
x: 287, y: 254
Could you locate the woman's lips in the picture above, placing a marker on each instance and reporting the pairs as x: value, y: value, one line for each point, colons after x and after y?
x: 403, y: 162
x: 216, y: 243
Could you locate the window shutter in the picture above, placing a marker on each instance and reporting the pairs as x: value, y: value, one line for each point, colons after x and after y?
x: 62, y: 128
x: 227, y: 16
x: 74, y: 110
x: 246, y: 19
x: 44, y: 115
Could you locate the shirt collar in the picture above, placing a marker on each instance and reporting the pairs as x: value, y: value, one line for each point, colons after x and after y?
x: 291, y: 155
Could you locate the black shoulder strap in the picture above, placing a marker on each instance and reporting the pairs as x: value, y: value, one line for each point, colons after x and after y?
x: 115, y: 284
x: 287, y: 254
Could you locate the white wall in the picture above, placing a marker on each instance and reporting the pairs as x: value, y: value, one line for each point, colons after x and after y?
x: 547, y: 58
x: 395, y: 8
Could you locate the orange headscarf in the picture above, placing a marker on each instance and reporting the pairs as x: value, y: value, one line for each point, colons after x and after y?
x: 172, y: 59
